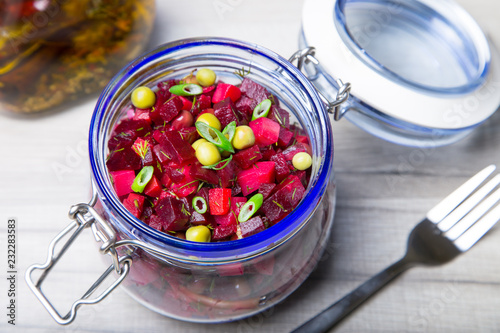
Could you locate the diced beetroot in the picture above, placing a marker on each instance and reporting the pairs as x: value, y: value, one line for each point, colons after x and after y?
x: 176, y: 148
x: 282, y: 168
x: 251, y: 227
x: 144, y: 150
x: 222, y: 232
x: 142, y: 114
x: 205, y: 175
x: 246, y: 105
x: 279, y: 115
x: 209, y: 91
x: 231, y: 217
x: 267, y: 152
x: 165, y: 86
x: 139, y: 127
x: 225, y: 90
x: 250, y: 179
x: 226, y: 219
x: 219, y: 200
x: 175, y: 174
x: 187, y: 186
x: 235, y: 190
x: 227, y: 112
x: 266, y: 131
x: 126, y: 132
x: 286, y: 196
x: 189, y: 134
x: 149, y: 159
x: 153, y: 189
x: 247, y: 157
x: 302, y: 175
x: 167, y: 111
x: 237, y: 203
x: 120, y: 140
x: 227, y: 176
x: 203, y: 192
x: 302, y: 139
x: 165, y: 194
x: 173, y: 213
x: 209, y: 110
x: 290, y: 152
x: 156, y: 222
x: 134, y: 204
x: 266, y: 189
x: 254, y: 91
x: 285, y: 137
x: 204, y: 102
x: 130, y: 113
x: 146, y: 213
x: 165, y: 180
x: 161, y: 156
x: 122, y: 181
x: 186, y: 103
x: 297, y: 130
x: 202, y: 219
x: 122, y: 159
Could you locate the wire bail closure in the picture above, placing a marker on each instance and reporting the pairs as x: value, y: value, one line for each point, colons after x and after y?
x: 83, y: 216
x: 306, y: 56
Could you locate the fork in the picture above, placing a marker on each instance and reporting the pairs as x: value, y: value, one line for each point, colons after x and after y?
x: 450, y: 228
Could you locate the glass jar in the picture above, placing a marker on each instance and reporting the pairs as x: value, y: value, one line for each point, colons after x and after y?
x: 54, y: 51
x: 225, y: 281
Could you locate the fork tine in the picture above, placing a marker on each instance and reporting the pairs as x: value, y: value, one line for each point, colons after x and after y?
x: 481, y: 227
x: 448, y: 204
x: 462, y: 210
x: 473, y: 216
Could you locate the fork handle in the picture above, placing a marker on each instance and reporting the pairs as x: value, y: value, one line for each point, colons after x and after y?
x: 339, y: 310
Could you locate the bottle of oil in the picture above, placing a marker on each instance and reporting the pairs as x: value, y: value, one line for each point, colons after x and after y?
x: 57, y: 51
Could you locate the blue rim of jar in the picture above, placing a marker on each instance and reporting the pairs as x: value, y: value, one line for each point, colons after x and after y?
x: 255, y: 244
x: 482, y: 50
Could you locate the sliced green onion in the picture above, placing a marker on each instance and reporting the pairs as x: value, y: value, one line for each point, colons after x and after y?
x: 142, y: 179
x: 187, y: 89
x: 197, y: 201
x: 214, y: 166
x: 262, y: 109
x: 221, y: 141
x: 250, y: 207
x: 230, y: 129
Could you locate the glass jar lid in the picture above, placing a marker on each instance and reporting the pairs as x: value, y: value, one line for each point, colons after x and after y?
x: 422, y: 72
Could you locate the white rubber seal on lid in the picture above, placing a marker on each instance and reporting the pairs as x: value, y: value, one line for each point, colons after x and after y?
x: 423, y: 100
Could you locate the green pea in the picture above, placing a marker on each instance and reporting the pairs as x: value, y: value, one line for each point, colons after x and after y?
x: 143, y: 97
x: 210, y: 120
x: 199, y: 233
x: 207, y: 153
x: 301, y: 161
x: 197, y: 143
x: 243, y: 137
x: 206, y: 77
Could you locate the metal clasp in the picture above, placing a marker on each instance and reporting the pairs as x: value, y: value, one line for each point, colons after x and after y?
x: 83, y: 216
x: 306, y: 56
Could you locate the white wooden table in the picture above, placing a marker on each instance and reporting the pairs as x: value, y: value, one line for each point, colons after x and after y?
x: 383, y: 190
